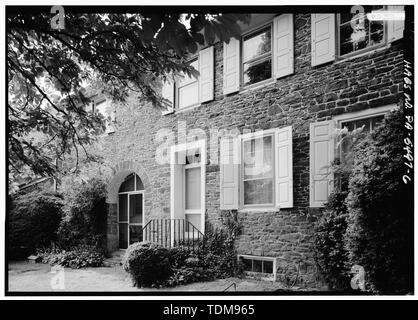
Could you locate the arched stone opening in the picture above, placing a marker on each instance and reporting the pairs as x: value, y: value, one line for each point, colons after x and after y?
x: 126, y: 191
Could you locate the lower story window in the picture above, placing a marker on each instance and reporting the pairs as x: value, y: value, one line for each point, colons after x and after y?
x: 258, y: 171
x: 259, y: 265
x: 366, y: 124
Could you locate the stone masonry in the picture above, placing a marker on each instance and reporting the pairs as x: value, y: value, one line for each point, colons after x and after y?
x: 310, y: 94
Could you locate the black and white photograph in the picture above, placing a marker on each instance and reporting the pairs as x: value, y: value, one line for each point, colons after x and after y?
x: 209, y: 150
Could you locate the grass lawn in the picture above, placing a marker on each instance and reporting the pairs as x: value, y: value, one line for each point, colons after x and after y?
x: 24, y: 276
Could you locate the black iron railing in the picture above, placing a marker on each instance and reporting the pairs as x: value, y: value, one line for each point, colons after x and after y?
x: 172, y: 233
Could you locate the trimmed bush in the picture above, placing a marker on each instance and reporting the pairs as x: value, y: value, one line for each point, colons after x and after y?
x: 33, y: 222
x: 330, y: 254
x: 148, y: 264
x: 84, y: 220
x: 379, y: 236
x: 79, y: 257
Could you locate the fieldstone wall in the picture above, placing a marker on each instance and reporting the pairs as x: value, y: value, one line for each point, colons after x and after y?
x: 310, y: 94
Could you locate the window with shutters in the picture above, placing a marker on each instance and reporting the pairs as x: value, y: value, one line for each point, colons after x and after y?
x: 266, y: 169
x: 182, y: 92
x: 326, y: 146
x: 188, y: 88
x: 257, y: 56
x: 357, y: 33
x: 359, y: 124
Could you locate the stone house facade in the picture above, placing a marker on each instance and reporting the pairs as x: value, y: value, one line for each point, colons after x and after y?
x: 254, y: 133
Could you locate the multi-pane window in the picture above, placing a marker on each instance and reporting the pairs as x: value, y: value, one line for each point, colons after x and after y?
x: 357, y: 32
x: 258, y: 171
x: 188, y: 89
x: 256, y: 56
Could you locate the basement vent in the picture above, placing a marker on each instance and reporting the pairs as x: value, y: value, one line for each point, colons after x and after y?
x: 259, y: 267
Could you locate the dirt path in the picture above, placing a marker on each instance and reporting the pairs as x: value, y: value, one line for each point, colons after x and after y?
x: 39, y: 277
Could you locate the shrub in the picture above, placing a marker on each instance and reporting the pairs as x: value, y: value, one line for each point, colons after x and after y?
x: 379, y: 236
x: 148, y: 264
x: 84, y: 220
x: 330, y: 254
x: 33, y: 221
x: 79, y: 257
x: 216, y: 252
x: 178, y: 256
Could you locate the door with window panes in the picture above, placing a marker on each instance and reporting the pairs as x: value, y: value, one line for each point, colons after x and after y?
x: 192, y: 190
x: 130, y: 211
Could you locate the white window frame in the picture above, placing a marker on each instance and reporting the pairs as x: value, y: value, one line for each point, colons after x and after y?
x: 129, y: 193
x: 261, y: 258
x: 177, y: 88
x: 241, y: 64
x: 183, y: 148
x: 359, y: 115
x: 364, y: 50
x: 363, y: 114
x: 251, y: 136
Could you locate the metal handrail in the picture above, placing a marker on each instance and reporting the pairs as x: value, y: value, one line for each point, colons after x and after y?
x: 172, y: 232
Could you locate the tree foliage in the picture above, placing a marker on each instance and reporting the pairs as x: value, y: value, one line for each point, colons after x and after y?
x: 47, y: 68
x: 379, y: 235
x: 33, y: 221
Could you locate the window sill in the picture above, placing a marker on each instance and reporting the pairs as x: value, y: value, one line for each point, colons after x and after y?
x: 187, y: 108
x: 362, y: 54
x: 256, y: 86
x: 258, y: 210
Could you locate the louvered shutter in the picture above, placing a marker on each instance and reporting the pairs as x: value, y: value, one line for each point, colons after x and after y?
x: 284, y: 171
x: 321, y: 155
x: 229, y: 173
x: 322, y: 38
x: 206, y: 70
x: 283, y: 45
x: 231, y: 63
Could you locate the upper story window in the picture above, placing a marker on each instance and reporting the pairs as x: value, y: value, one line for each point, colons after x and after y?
x: 187, y: 92
x: 100, y: 105
x: 256, y: 56
x: 357, y: 33
x: 188, y: 88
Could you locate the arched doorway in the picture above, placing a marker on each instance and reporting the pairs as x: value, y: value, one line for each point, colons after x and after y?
x: 130, y: 210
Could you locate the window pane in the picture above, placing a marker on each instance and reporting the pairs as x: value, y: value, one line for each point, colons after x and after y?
x: 128, y: 184
x: 193, y: 156
x: 135, y: 234
x: 257, y: 44
x: 189, y: 95
x: 123, y: 235
x: 376, y: 121
x: 123, y: 207
x: 258, y: 191
x: 258, y: 158
x: 185, y: 79
x: 139, y: 185
x: 257, y: 71
x: 247, y: 264
x: 192, y: 180
x: 257, y: 265
x: 267, y: 266
x: 135, y: 208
